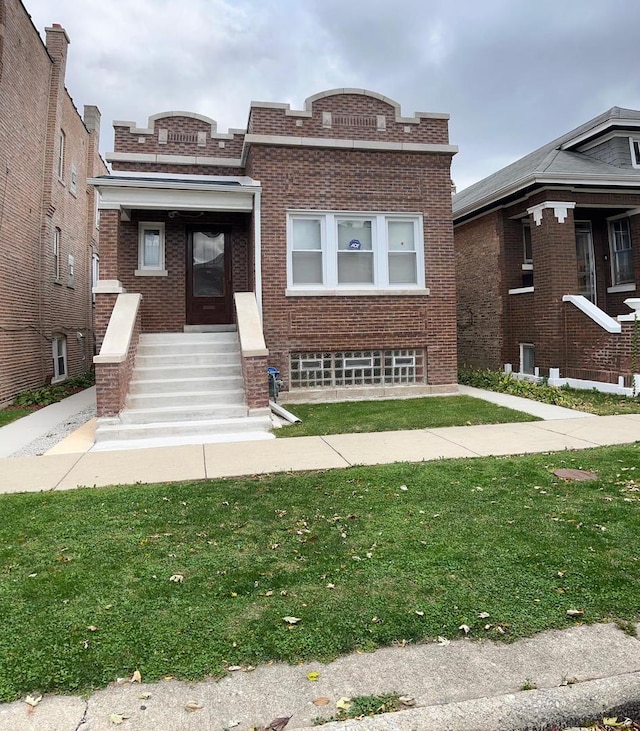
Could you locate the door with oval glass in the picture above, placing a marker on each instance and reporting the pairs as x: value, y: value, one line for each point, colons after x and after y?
x: 209, y: 286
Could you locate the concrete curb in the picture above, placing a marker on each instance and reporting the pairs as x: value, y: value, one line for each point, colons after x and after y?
x: 531, y: 710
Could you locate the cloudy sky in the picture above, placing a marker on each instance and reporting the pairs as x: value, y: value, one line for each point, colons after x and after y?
x: 513, y: 74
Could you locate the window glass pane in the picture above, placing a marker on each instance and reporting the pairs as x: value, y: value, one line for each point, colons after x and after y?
x: 208, y: 264
x: 307, y: 267
x: 151, y: 248
x: 526, y: 239
x: 528, y: 353
x: 306, y: 234
x: 355, y: 267
x: 402, y: 268
x: 623, y: 267
x: 354, y: 236
x: 401, y: 236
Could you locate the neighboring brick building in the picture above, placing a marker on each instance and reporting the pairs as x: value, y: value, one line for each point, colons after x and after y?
x: 547, y: 253
x: 48, y: 237
x: 337, y: 216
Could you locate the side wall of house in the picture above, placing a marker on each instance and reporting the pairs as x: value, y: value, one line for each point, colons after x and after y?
x: 24, y: 86
x: 479, y: 292
x: 35, y: 202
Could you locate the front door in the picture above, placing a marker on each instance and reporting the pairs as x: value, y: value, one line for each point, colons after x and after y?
x: 209, y: 289
x: 586, y: 261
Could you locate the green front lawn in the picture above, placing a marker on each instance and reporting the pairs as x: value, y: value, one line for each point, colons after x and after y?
x: 393, y: 415
x: 188, y: 579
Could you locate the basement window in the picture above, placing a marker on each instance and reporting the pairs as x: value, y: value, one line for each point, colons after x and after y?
x: 527, y: 358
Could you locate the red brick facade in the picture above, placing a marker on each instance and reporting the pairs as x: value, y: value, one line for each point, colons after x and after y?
x: 39, y: 299
x: 494, y: 318
x: 347, y: 151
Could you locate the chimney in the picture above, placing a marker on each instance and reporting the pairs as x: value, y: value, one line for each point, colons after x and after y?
x: 91, y: 118
x: 57, y: 42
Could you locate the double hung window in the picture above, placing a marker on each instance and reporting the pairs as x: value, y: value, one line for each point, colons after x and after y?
x: 621, y: 252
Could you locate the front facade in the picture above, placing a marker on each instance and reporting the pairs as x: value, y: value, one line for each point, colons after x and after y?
x: 548, y: 257
x: 337, y: 218
x: 48, y: 231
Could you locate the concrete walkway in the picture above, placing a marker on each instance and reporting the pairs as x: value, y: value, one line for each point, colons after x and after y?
x: 469, y: 684
x: 72, y: 464
x: 19, y: 433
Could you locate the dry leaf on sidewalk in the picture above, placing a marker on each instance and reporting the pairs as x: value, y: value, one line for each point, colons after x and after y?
x: 322, y: 701
x: 193, y: 706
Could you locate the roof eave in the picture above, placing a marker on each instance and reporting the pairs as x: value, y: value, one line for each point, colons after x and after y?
x: 554, y: 178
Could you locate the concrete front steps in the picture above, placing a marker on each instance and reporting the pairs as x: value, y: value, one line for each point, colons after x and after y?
x: 186, y: 388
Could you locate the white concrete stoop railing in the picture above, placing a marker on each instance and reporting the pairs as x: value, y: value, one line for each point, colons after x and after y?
x: 186, y: 388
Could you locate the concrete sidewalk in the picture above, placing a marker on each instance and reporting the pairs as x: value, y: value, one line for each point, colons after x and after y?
x: 70, y: 465
x: 573, y: 675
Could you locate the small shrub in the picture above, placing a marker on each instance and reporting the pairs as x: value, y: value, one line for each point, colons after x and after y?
x: 47, y: 395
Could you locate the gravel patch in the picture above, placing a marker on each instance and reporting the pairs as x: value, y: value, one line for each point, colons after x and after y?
x: 57, y: 434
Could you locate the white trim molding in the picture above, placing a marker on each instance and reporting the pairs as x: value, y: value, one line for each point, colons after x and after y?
x: 521, y: 290
x: 599, y: 316
x: 560, y: 210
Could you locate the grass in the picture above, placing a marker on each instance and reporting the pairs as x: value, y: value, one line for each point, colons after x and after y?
x: 11, y: 413
x: 392, y: 415
x: 364, y: 705
x: 85, y: 576
x: 593, y: 402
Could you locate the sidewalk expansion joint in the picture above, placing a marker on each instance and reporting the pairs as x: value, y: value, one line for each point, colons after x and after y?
x: 349, y: 464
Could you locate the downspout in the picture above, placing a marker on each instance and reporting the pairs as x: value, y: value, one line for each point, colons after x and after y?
x: 257, y: 249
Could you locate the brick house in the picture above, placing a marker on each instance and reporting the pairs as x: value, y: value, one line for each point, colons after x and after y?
x: 548, y: 257
x: 334, y: 221
x: 48, y: 234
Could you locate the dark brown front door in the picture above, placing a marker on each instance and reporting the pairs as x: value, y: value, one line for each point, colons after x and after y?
x: 209, y: 289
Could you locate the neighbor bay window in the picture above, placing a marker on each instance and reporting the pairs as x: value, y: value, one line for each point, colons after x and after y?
x: 344, y: 251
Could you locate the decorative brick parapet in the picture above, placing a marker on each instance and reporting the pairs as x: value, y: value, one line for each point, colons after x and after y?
x: 114, y: 364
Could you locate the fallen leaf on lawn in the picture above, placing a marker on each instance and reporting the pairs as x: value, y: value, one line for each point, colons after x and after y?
x: 92, y: 628
x: 136, y: 677
x: 575, y: 612
x: 419, y: 612
x: 278, y: 723
x: 484, y: 615
x: 313, y: 676
x: 331, y: 586
x: 33, y: 700
x: 85, y: 644
x: 443, y: 641
x: 376, y: 620
x: 465, y: 628
x: 177, y: 578
x: 233, y: 668
x: 404, y: 488
x: 291, y: 620
x: 407, y: 700
x: 322, y: 701
x: 269, y: 593
x: 193, y: 706
x: 118, y: 718
x: 344, y: 703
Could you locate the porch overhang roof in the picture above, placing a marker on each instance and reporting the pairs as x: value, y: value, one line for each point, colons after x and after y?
x: 127, y: 191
